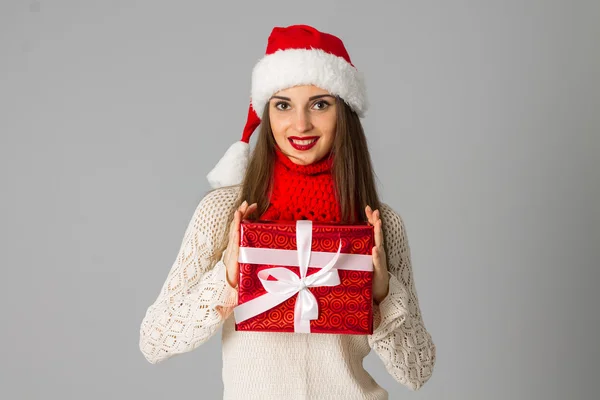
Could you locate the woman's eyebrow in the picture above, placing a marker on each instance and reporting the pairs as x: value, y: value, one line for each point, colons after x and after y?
x: 310, y: 98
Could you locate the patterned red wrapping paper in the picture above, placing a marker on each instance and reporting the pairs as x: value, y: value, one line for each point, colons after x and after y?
x: 346, y: 308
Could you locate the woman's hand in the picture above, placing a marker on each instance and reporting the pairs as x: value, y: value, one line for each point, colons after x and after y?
x: 230, y: 257
x: 381, y: 278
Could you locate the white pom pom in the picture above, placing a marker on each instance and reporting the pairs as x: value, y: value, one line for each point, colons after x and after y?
x: 231, y: 168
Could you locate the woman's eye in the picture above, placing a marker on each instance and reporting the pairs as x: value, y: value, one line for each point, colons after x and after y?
x: 280, y: 105
x: 322, y: 104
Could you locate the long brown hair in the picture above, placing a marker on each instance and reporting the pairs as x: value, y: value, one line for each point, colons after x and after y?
x: 352, y: 171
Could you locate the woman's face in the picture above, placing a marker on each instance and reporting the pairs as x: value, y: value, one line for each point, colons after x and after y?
x: 303, y: 121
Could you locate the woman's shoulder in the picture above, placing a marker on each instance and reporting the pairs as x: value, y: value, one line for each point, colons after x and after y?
x: 214, y: 209
x: 386, y: 209
x: 392, y: 219
x: 220, y: 198
x: 223, y: 193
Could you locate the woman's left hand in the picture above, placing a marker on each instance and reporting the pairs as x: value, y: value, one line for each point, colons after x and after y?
x: 381, y: 278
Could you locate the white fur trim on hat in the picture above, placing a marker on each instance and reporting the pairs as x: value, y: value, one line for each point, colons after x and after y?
x: 294, y: 67
x: 231, y: 167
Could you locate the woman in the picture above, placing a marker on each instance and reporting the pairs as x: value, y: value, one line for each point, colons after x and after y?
x: 310, y: 162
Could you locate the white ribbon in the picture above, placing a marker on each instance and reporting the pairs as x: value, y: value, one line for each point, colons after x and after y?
x: 288, y: 283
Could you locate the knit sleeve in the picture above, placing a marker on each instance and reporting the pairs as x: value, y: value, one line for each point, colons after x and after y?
x: 400, y: 338
x: 195, y: 299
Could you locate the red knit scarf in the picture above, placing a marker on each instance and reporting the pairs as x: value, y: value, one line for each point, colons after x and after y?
x: 302, y: 191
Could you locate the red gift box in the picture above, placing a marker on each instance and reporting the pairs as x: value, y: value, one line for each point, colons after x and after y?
x: 277, y: 291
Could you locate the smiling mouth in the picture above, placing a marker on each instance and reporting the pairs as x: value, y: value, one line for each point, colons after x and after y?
x: 304, y: 143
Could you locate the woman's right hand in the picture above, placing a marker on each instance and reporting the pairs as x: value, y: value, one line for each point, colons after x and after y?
x: 230, y: 257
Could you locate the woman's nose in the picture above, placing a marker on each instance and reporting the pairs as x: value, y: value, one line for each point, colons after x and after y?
x: 302, y: 122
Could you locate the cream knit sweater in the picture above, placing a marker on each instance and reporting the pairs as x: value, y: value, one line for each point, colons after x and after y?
x: 196, y: 300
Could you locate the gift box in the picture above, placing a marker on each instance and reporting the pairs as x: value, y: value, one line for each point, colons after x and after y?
x: 305, y: 277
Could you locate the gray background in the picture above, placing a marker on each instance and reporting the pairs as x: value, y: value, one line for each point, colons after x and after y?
x: 485, y: 134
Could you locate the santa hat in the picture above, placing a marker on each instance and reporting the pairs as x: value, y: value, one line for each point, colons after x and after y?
x: 296, y: 55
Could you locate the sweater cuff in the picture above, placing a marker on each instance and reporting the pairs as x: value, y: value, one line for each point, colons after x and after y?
x: 392, y: 310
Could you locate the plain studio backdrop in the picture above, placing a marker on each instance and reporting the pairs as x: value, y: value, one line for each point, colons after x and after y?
x: 484, y: 129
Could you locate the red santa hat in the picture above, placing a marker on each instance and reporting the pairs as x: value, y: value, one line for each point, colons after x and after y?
x: 296, y: 55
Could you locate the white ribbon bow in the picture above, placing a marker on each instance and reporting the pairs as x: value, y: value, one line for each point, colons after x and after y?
x: 288, y: 284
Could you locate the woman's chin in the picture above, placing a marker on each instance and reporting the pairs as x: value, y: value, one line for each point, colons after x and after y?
x: 300, y: 160
x: 303, y: 157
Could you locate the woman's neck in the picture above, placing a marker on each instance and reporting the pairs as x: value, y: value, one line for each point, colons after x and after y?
x: 302, y: 191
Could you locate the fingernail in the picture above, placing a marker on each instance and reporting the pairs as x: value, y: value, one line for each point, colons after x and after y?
x: 244, y: 203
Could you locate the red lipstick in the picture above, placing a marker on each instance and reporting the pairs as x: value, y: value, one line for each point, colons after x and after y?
x: 303, y: 147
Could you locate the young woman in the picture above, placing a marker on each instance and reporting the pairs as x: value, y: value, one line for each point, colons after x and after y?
x: 310, y: 161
